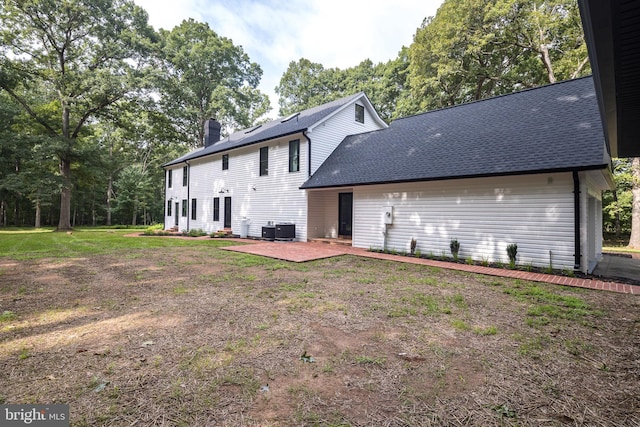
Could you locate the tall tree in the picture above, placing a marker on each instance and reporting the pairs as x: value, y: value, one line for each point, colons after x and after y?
x: 87, y: 55
x: 547, y: 31
x: 473, y: 49
x: 306, y: 84
x: 205, y: 75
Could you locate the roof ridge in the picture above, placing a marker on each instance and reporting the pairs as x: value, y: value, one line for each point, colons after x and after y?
x: 529, y: 89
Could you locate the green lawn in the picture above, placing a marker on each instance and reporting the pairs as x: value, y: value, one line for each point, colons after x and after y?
x: 39, y: 243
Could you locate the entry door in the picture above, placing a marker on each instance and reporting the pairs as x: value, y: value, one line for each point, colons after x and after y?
x: 227, y: 212
x: 177, y: 214
x: 345, y: 213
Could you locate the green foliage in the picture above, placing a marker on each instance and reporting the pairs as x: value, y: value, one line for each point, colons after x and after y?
x: 195, y: 232
x: 617, y: 204
x: 454, y: 246
x: 512, y: 252
x: 306, y: 84
x: 132, y: 191
x: 473, y: 49
x: 76, y: 58
x: 205, y: 75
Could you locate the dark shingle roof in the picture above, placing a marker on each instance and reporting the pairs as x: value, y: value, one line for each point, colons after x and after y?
x: 270, y: 130
x: 555, y: 127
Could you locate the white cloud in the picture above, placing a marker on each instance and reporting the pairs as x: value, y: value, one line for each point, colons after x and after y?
x: 334, y: 33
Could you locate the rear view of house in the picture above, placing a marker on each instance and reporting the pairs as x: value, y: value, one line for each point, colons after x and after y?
x: 254, y: 176
x: 526, y: 168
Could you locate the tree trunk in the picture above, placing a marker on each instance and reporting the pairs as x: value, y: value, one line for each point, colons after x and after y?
x: 133, y: 220
x: 546, y: 60
x: 543, y: 50
x: 38, y: 213
x: 634, y: 241
x: 109, y: 193
x: 65, y: 196
x: 3, y: 212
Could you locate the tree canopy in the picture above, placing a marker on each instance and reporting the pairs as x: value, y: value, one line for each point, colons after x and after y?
x: 81, y: 57
x: 205, y: 75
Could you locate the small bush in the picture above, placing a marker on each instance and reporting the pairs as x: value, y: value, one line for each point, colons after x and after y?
x: 154, y: 230
x: 414, y: 243
x: 512, y: 251
x: 455, y: 248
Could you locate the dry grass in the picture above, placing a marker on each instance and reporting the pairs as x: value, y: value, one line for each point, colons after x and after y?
x: 199, y: 336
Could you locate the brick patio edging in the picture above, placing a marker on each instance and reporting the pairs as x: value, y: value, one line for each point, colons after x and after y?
x: 501, y: 272
x: 294, y: 251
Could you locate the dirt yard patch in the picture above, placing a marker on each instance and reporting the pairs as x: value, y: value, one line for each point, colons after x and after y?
x: 200, y: 336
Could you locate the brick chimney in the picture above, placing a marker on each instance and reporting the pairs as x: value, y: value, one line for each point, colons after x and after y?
x: 211, y: 132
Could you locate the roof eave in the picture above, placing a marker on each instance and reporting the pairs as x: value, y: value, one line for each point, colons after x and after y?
x: 177, y: 161
x: 456, y: 177
x: 368, y: 106
x: 611, y: 32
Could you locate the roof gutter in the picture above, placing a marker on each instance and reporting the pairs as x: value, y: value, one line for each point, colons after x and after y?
x: 229, y: 149
x: 308, y: 186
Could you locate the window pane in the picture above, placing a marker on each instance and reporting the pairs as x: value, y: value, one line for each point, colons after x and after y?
x: 294, y: 155
x: 359, y: 113
x: 216, y: 208
x: 225, y: 162
x: 185, y: 178
x: 169, y: 208
x: 194, y: 204
x: 169, y: 178
x: 184, y: 207
x: 264, y: 161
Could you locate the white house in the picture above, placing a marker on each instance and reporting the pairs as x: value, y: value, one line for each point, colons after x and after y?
x: 525, y: 168
x: 256, y: 173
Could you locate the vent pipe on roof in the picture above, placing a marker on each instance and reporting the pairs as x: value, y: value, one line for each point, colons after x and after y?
x: 211, y: 132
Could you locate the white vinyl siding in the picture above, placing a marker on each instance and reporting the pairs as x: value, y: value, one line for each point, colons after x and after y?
x: 274, y: 197
x: 484, y: 214
x: 175, y: 194
x: 328, y: 135
x: 323, y: 213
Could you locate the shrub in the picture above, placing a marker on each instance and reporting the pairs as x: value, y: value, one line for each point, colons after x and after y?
x: 196, y: 232
x: 414, y: 243
x: 154, y: 230
x: 512, y: 251
x: 455, y: 248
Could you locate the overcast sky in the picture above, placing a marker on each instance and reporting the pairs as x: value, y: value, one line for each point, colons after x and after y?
x: 334, y: 33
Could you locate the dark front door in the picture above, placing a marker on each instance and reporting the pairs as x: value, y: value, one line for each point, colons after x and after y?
x: 227, y: 212
x: 177, y: 214
x: 345, y: 213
